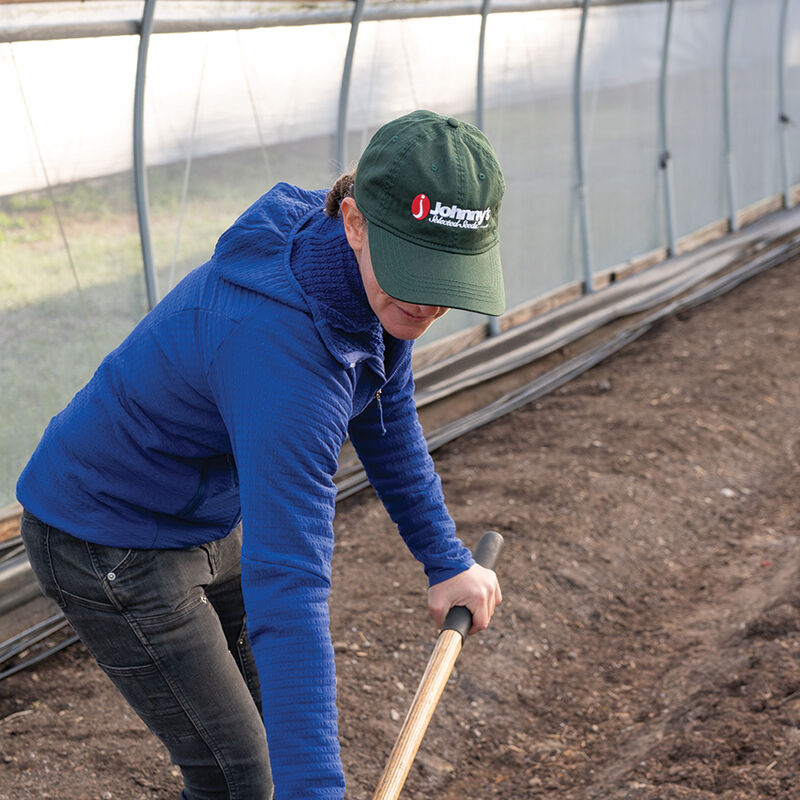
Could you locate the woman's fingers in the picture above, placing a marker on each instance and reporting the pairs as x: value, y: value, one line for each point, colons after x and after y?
x: 476, y: 588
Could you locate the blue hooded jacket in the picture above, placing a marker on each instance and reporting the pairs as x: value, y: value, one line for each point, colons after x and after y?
x: 231, y: 400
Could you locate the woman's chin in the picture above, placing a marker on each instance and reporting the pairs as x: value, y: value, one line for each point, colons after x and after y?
x: 403, y: 325
x: 406, y: 332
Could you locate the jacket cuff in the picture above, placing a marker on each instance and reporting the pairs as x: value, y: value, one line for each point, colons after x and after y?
x: 443, y: 572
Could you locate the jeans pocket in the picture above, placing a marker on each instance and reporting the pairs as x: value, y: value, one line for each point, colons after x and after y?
x: 71, y: 570
x: 153, y: 584
x: 109, y: 559
x: 74, y: 572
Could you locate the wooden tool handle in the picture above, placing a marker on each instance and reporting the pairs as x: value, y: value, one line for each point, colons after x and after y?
x: 430, y: 689
x: 437, y: 673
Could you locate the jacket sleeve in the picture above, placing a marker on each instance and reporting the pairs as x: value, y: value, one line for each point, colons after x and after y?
x: 285, y: 404
x: 389, y: 441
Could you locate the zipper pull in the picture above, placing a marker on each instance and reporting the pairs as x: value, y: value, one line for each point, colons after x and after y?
x: 380, y: 411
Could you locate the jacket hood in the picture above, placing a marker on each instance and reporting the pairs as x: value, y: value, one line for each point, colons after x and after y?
x: 251, y: 252
x: 285, y: 247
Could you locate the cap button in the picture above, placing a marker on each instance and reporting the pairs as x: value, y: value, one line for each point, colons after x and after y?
x: 453, y: 122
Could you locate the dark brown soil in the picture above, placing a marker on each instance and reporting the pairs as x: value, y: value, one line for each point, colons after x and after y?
x: 648, y: 646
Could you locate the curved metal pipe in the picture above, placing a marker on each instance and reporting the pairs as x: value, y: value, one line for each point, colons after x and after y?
x: 493, y: 323
x: 665, y: 159
x: 270, y: 18
x: 583, y: 212
x: 17, y: 584
x: 783, y: 117
x: 139, y: 167
x: 733, y: 223
x: 480, y: 96
x: 344, y: 93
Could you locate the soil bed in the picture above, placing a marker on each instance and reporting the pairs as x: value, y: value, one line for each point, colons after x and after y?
x: 648, y: 646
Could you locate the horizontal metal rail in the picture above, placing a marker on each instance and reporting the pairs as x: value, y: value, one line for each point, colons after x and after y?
x: 24, y: 646
x: 10, y: 32
x: 33, y: 635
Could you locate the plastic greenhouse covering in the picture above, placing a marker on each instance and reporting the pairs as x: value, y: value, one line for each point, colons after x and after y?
x: 622, y: 128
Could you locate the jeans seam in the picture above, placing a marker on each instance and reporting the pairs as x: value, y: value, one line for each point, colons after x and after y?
x: 101, y: 576
x: 240, y: 652
x: 62, y: 602
x: 243, y: 648
x: 209, y: 550
x: 185, y: 705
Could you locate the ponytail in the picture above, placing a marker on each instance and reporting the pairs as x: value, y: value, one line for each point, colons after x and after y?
x: 342, y: 187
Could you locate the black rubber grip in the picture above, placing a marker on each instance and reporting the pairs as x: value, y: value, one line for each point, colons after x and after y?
x: 459, y: 618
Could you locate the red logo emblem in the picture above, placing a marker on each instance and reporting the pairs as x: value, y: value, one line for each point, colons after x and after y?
x: 420, y: 206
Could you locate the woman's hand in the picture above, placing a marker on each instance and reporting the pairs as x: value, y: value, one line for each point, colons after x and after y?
x: 476, y: 588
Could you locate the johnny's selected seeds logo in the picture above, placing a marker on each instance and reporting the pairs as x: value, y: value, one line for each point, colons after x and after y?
x: 453, y: 216
x: 420, y: 206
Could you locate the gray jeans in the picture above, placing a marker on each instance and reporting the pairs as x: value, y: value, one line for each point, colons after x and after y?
x: 168, y: 628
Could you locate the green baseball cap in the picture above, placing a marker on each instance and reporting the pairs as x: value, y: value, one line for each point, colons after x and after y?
x: 431, y: 187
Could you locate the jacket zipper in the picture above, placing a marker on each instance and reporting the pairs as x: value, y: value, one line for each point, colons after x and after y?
x: 378, y: 398
x: 380, y: 411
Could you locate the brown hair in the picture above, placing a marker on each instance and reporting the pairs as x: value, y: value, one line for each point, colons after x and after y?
x: 342, y: 187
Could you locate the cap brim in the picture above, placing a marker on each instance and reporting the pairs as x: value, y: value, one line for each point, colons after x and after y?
x: 413, y: 273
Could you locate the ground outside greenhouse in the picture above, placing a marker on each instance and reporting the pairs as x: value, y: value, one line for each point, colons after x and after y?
x: 649, y: 644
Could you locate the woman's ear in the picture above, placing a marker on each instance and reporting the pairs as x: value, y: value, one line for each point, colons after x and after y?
x: 354, y: 228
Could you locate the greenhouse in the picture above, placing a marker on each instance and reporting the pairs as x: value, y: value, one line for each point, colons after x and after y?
x: 651, y: 157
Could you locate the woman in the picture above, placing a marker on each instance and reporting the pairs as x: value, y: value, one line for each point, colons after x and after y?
x: 230, y: 401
